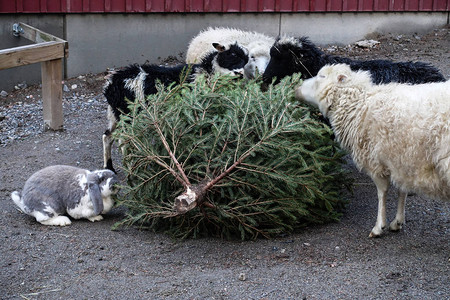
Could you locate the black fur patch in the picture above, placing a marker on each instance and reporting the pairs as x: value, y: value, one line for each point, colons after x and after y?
x: 233, y: 58
x: 116, y: 92
x: 306, y: 58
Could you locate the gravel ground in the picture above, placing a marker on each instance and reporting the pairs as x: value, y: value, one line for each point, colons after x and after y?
x: 88, y: 260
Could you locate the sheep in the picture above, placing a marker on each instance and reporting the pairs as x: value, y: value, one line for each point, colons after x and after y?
x: 396, y: 133
x: 258, y: 46
x: 138, y: 81
x: 290, y: 55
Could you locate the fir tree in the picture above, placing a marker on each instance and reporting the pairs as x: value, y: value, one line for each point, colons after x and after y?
x: 219, y: 157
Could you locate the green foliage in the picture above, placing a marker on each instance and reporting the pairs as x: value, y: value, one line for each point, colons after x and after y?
x: 286, y: 172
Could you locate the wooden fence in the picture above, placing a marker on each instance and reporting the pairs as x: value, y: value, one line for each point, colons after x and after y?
x: 49, y: 51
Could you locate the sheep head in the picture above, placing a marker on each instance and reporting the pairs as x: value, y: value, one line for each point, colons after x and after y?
x: 320, y: 91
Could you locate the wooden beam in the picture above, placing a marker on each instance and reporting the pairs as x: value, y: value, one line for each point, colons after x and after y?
x: 52, y: 94
x: 30, y: 54
x: 38, y: 36
x: 49, y: 51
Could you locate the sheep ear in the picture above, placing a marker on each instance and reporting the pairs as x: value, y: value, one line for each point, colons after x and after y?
x: 95, y: 193
x: 218, y: 47
x: 342, y: 78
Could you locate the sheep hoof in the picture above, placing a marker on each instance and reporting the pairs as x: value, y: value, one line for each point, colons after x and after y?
x: 374, y: 235
x: 376, y: 232
x: 395, y: 226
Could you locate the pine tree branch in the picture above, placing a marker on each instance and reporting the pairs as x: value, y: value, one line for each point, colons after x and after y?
x: 193, y: 196
x: 185, y: 180
x: 137, y: 144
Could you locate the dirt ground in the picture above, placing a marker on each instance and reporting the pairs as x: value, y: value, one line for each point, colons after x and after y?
x: 89, y: 261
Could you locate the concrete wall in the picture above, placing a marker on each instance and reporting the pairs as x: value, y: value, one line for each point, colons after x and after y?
x: 101, y: 41
x: 350, y: 27
x: 117, y: 40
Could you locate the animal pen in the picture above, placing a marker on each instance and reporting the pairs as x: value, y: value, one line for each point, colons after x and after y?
x: 49, y: 50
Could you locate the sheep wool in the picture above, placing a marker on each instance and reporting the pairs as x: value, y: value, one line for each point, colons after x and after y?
x: 201, y: 44
x: 290, y: 55
x: 394, y: 132
x: 257, y: 44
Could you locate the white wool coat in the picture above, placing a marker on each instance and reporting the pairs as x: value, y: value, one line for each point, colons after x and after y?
x: 396, y: 130
x: 258, y: 44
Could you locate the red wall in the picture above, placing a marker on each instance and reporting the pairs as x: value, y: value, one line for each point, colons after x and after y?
x: 138, y: 6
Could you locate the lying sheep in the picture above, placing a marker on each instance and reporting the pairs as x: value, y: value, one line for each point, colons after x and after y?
x: 396, y: 133
x: 257, y: 44
x: 138, y: 81
x: 292, y: 55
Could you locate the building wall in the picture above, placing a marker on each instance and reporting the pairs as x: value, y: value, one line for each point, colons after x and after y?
x: 218, y: 6
x: 101, y: 41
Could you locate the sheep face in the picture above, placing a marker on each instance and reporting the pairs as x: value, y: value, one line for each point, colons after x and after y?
x: 317, y: 91
x: 230, y: 59
x: 313, y: 90
x: 292, y: 55
x: 259, y: 57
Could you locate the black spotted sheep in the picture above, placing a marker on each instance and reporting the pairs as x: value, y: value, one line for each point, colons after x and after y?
x: 290, y: 55
x: 138, y: 81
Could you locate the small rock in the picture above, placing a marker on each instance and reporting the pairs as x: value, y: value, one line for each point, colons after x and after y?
x: 74, y: 86
x: 242, y: 277
x: 66, y: 88
x: 21, y: 85
x: 3, y: 93
x: 367, y: 43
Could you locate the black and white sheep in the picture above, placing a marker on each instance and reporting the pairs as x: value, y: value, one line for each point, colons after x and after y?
x: 138, y: 81
x: 291, y: 55
x: 257, y: 44
x: 397, y: 133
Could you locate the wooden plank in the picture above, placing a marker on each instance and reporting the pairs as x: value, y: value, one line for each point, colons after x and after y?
x: 51, y: 72
x: 8, y: 6
x: 30, y: 6
x: 30, y: 54
x: 38, y: 36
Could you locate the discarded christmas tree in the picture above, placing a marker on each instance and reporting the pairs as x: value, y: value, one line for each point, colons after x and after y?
x: 221, y: 158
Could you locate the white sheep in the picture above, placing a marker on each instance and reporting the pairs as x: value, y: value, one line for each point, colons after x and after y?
x: 257, y: 44
x: 396, y: 133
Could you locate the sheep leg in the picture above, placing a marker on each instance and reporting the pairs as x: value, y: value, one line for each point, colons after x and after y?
x: 382, y: 184
x: 399, y: 220
x: 107, y: 143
